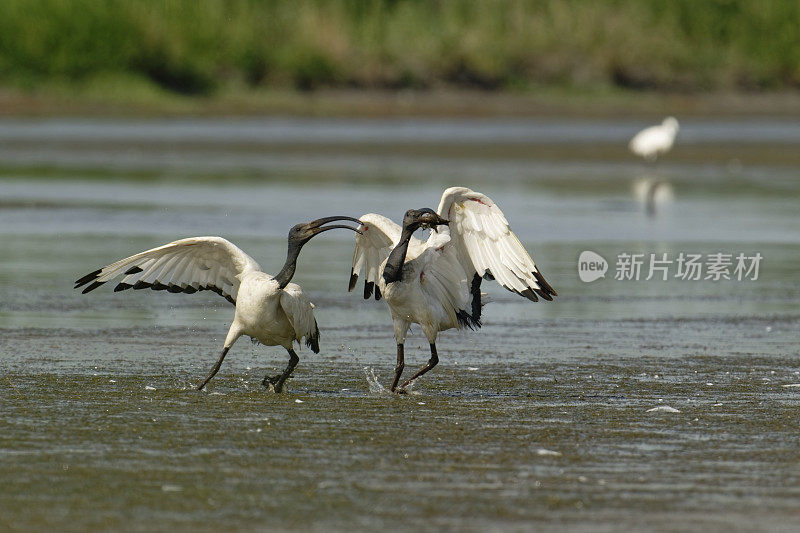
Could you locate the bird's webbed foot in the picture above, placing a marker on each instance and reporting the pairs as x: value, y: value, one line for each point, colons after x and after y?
x: 270, y: 382
x: 276, y: 382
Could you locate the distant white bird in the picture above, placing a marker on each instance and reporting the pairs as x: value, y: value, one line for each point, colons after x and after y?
x: 654, y: 141
x: 269, y: 309
x: 436, y: 283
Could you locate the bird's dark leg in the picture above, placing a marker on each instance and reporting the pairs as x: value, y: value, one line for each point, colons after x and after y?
x: 216, y: 367
x: 398, y: 369
x: 431, y: 363
x: 277, y: 381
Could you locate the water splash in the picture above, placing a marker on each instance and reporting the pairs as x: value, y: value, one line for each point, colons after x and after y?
x: 374, y: 385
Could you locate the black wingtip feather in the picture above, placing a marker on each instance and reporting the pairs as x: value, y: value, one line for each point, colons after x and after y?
x: 92, y: 287
x: 133, y: 270
x: 312, y: 341
x: 530, y: 295
x: 353, y: 281
x: 527, y: 293
x: 368, y: 286
x: 544, y: 295
x: 158, y: 286
x: 87, y: 278
x: 465, y: 320
x: 378, y: 294
x: 547, y: 291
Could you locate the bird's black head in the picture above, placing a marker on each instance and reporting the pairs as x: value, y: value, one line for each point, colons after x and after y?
x: 302, y: 233
x: 424, y: 218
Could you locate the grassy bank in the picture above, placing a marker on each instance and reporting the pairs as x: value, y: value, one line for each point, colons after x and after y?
x: 118, y: 97
x: 149, y: 48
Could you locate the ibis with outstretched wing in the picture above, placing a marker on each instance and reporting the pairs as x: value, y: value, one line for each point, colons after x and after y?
x: 436, y: 283
x: 269, y: 309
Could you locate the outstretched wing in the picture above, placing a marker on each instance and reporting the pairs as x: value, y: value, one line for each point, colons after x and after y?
x: 377, y: 238
x: 487, y: 247
x: 187, y: 265
x: 300, y: 312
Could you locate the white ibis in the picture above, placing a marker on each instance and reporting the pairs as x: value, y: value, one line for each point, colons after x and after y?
x: 268, y: 309
x: 654, y: 141
x: 436, y: 283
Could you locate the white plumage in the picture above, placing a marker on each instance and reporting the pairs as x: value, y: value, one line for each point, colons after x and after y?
x: 438, y: 281
x: 652, y: 142
x: 268, y: 309
x: 185, y: 265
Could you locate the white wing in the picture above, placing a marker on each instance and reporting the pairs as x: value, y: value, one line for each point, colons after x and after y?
x: 447, y: 285
x: 377, y: 238
x: 187, y: 265
x: 487, y: 247
x: 300, y: 312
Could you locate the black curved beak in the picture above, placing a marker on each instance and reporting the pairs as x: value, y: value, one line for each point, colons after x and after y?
x: 316, y: 226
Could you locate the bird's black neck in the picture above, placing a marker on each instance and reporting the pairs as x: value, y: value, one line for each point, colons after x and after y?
x: 287, y: 272
x: 393, y: 271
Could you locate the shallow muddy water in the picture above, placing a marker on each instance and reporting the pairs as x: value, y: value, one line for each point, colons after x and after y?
x: 623, y: 405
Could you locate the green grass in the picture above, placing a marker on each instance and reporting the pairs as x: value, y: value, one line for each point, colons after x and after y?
x: 147, y: 48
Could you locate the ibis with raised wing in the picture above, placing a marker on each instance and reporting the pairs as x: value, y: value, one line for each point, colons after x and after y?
x: 437, y: 283
x: 269, y: 309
